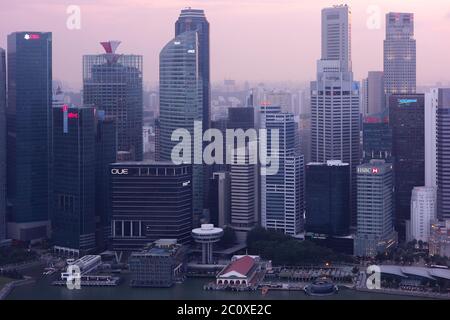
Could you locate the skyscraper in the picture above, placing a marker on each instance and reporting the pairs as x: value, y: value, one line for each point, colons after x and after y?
x: 150, y: 201
x: 29, y: 130
x: 195, y: 20
x: 219, y: 199
x: 372, y: 93
x: 423, y: 212
x: 406, y: 118
x: 431, y: 102
x: 73, y: 218
x: 399, y: 54
x: 377, y: 137
x: 375, y: 227
x: 327, y: 198
x: 442, y: 153
x: 335, y: 98
x: 113, y: 82
x: 2, y: 145
x: 181, y: 104
x: 282, y: 194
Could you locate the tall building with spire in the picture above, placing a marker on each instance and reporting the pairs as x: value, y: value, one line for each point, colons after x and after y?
x: 400, y: 54
x: 335, y: 98
x: 113, y: 82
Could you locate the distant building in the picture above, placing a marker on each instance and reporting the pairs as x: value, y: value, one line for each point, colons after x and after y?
x: 423, y: 211
x: 439, y: 241
x: 375, y: 228
x: 219, y: 199
x: 377, y: 137
x: 149, y: 201
x: 2, y: 145
x: 113, y: 82
x: 373, y: 99
x: 406, y: 119
x: 159, y: 265
x: 400, y: 54
x: 327, y: 199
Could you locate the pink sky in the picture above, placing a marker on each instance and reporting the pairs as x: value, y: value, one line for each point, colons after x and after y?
x: 255, y: 40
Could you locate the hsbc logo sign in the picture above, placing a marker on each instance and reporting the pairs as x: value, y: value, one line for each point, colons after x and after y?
x: 119, y: 171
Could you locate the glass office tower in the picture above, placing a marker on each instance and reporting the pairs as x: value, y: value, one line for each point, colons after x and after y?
x: 113, y: 83
x: 29, y: 128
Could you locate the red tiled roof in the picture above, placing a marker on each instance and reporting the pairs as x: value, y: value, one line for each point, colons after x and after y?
x: 242, y: 265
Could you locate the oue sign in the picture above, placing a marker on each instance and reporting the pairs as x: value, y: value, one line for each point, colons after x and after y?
x: 119, y: 171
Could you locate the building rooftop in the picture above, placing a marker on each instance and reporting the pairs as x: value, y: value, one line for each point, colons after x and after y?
x: 242, y: 265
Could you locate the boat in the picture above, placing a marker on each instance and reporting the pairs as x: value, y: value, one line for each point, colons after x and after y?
x: 264, y: 290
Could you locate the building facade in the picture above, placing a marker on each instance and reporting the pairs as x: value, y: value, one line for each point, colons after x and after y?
x: 406, y: 118
x: 2, y: 144
x: 113, y: 82
x: 219, y: 199
x: 399, y: 54
x: 149, y: 201
x: 73, y: 176
x: 375, y: 227
x: 423, y: 212
x: 28, y: 123
x: 377, y: 137
x: 373, y: 99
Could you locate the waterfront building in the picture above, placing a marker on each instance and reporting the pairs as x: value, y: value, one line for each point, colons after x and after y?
x: 2, y: 145
x: 327, y: 199
x: 423, y: 211
x: 113, y: 82
x: 406, y: 118
x: 28, y: 123
x: 207, y: 235
x: 242, y: 271
x: 149, y: 201
x: 399, y: 54
x: 158, y: 265
x: 375, y: 225
x: 181, y: 105
x: 73, y: 177
x: 335, y: 98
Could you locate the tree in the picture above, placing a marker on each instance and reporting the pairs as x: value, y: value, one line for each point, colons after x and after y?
x: 228, y: 239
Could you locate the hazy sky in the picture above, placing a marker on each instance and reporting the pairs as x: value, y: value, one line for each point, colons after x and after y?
x: 255, y: 40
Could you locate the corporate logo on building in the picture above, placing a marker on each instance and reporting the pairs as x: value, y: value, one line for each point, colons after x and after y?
x: 119, y: 171
x: 406, y: 101
x: 368, y: 170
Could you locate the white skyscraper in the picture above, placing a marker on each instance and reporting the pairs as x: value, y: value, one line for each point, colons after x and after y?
x: 335, y: 97
x: 2, y: 145
x: 423, y: 211
x: 400, y: 54
x: 282, y: 194
x: 431, y: 100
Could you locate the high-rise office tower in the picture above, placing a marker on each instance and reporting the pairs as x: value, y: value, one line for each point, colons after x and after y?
x: 244, y: 193
x: 373, y: 99
x: 423, y: 212
x: 280, y: 98
x: 442, y: 153
x: 28, y: 118
x: 327, y: 198
x: 335, y: 98
x: 113, y: 82
x: 282, y: 194
x: 406, y: 118
x: 150, y: 201
x: 2, y: 145
x: 181, y: 104
x: 377, y: 137
x: 219, y: 199
x: 105, y: 154
x: 431, y: 103
x: 73, y: 176
x: 375, y: 228
x: 399, y: 54
x: 195, y: 20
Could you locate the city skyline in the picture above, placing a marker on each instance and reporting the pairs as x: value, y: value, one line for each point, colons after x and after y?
x: 258, y: 53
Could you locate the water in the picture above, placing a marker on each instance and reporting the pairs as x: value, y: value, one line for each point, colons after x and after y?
x: 191, y: 289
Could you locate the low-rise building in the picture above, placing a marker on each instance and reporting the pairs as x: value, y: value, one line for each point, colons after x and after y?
x: 241, y: 271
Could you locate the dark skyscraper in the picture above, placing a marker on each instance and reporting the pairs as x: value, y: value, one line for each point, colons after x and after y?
x: 377, y: 137
x: 150, y: 201
x: 406, y: 118
x: 195, y: 20
x: 29, y: 129
x: 73, y: 218
x: 327, y: 198
x: 105, y: 154
x: 2, y: 145
x: 113, y: 82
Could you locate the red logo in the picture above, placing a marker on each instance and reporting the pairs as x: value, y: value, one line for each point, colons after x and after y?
x: 374, y: 170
